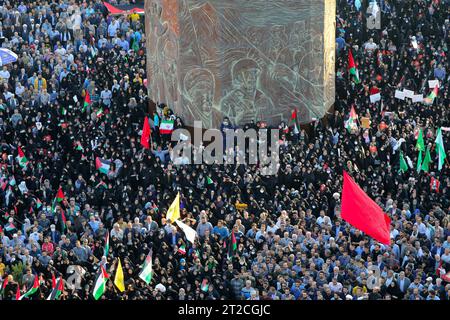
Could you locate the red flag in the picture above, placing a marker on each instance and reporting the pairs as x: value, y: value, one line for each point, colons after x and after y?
x: 53, y: 281
x: 145, y: 137
x: 363, y: 213
x: 294, y: 115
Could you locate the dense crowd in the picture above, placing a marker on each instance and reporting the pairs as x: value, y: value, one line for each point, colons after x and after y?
x: 291, y: 241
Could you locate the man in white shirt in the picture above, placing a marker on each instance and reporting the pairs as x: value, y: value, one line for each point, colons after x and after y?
x: 106, y: 96
x: 370, y: 46
x: 4, y: 74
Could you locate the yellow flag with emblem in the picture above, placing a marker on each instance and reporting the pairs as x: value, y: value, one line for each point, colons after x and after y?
x: 118, y: 279
x: 174, y: 210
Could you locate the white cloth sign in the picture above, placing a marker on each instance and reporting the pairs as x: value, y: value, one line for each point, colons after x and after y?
x: 408, y: 93
x: 417, y: 98
x: 399, y: 95
x: 433, y: 83
x: 188, y: 231
x: 375, y: 97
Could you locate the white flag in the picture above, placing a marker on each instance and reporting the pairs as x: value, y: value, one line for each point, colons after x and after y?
x: 188, y: 231
x: 375, y: 9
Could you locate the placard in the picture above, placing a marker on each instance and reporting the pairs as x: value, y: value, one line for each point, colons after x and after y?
x: 399, y: 95
x: 433, y: 83
x: 408, y: 93
x: 417, y: 98
x: 365, y: 122
x: 375, y: 97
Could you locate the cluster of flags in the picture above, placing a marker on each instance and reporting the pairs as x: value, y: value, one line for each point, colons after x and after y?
x: 29, y: 293
x: 423, y: 163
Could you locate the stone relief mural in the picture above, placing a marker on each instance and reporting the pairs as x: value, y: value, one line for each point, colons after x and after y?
x: 248, y: 60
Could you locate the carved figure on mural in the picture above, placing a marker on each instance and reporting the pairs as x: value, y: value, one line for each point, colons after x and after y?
x: 245, y: 100
x: 199, y: 86
x: 158, y: 29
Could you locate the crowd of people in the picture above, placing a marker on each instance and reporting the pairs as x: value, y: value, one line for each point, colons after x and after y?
x: 77, y: 93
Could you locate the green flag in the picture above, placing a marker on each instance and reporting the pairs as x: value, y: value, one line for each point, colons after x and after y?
x: 419, y: 161
x: 440, y: 149
x: 420, y: 145
x: 403, y: 164
x: 426, y: 161
x: 209, y: 180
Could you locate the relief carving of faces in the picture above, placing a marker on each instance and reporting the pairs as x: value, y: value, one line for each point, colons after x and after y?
x: 245, y: 75
x: 199, y: 89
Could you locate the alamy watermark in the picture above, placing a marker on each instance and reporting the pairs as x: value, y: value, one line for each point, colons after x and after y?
x: 228, y: 147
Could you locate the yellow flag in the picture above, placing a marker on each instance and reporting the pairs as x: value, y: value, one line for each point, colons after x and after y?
x: 174, y: 211
x: 118, y: 279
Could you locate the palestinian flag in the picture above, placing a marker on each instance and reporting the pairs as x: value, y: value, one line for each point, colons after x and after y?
x: 57, y: 289
x: 182, y: 249
x: 102, y: 165
x: 351, y: 123
x: 38, y: 203
x: 440, y: 149
x: 10, y: 227
x: 433, y: 95
x: 60, y: 195
x: 33, y: 289
x: 147, y: 271
x: 5, y: 283
x: 352, y: 68
x: 105, y: 253
x: 205, y: 285
x: 166, y: 127
x: 23, y: 161
x: 100, y: 284
x: 101, y: 184
x: 79, y: 147
x: 233, y: 246
x: 99, y: 112
x: 87, y: 101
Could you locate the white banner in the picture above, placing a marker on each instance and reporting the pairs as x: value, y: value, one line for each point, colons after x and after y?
x: 399, y: 95
x: 375, y: 97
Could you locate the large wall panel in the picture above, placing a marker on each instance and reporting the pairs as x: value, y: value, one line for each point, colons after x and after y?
x: 243, y: 59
